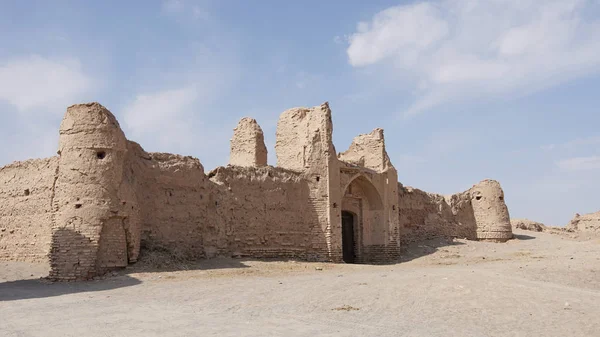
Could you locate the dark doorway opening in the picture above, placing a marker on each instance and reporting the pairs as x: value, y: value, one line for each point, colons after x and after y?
x: 348, y: 237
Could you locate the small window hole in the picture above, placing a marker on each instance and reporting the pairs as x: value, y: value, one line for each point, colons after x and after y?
x: 27, y: 192
x: 478, y: 197
x: 100, y: 154
x: 77, y: 206
x: 318, y: 178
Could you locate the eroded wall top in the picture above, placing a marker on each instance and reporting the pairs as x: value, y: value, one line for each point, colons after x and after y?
x: 368, y: 150
x: 248, y: 145
x: 304, y: 137
x: 90, y: 125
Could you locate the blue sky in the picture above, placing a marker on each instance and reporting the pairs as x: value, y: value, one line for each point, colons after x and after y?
x: 465, y: 90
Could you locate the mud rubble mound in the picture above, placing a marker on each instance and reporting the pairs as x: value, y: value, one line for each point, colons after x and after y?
x: 528, y: 225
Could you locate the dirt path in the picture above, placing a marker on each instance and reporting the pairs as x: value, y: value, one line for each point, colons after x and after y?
x: 538, y: 285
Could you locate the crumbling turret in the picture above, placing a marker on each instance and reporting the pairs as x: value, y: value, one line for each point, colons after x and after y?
x: 87, y: 232
x: 248, y: 145
x: 490, y: 211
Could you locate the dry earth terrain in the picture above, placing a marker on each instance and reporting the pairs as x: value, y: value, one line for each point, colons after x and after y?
x: 540, y: 284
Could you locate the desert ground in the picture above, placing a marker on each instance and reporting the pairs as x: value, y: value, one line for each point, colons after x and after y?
x: 539, y: 284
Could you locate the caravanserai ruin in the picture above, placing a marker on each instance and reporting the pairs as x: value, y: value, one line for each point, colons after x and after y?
x: 93, y: 207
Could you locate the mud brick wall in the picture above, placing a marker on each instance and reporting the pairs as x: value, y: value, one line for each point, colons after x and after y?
x: 268, y: 212
x: 25, y: 209
x: 426, y: 216
x: 176, y: 205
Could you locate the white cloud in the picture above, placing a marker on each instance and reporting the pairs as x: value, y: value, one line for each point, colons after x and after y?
x: 458, y: 49
x: 30, y: 141
x: 180, y: 120
x: 580, y: 163
x: 34, y: 94
x: 36, y: 82
x: 176, y: 107
x: 396, y: 31
x: 163, y: 116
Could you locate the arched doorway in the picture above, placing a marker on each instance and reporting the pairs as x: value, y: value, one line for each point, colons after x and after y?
x: 363, y: 221
x: 348, y: 242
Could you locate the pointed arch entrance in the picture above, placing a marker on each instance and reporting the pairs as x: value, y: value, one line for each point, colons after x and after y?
x: 362, y: 219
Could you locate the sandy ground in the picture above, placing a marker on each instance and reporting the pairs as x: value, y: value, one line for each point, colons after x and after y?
x: 539, y: 284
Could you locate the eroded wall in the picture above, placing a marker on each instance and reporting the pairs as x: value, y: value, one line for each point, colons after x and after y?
x: 267, y: 212
x: 304, y: 144
x: 426, y: 216
x: 586, y: 223
x: 479, y: 213
x: 177, y: 205
x: 232, y: 211
x: 25, y: 209
x: 248, y: 144
x: 368, y: 150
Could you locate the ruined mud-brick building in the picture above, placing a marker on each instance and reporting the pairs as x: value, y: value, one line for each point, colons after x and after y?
x: 103, y: 198
x: 585, y: 223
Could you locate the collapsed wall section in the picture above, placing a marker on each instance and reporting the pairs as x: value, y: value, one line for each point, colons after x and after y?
x: 25, y: 209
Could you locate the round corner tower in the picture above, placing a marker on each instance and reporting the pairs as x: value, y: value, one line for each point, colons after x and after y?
x: 87, y: 233
x: 490, y: 211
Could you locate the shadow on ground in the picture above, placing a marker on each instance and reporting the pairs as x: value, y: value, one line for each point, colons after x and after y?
x: 28, y: 289
x: 19, y: 286
x: 423, y: 248
x: 523, y: 237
